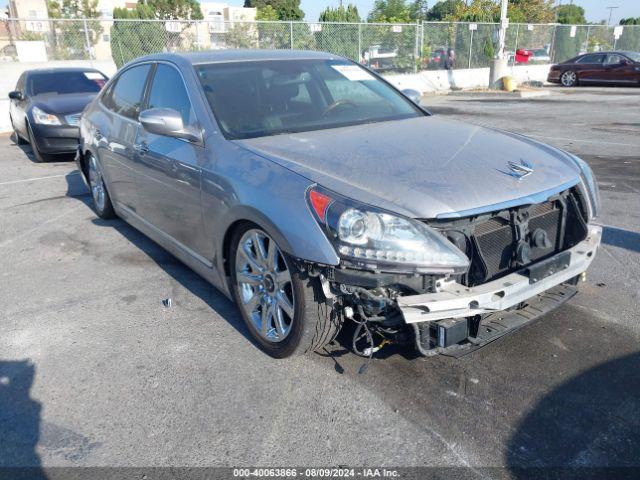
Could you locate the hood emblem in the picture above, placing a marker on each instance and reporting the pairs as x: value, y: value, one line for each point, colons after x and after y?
x: 518, y: 170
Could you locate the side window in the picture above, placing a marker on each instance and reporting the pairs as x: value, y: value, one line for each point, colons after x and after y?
x: 591, y: 59
x: 125, y: 97
x: 168, y: 91
x: 613, y: 59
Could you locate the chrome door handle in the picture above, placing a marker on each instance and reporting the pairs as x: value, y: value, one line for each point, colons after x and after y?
x: 141, y: 148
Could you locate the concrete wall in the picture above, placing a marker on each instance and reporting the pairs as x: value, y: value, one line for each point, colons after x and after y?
x: 426, y: 82
x: 430, y: 81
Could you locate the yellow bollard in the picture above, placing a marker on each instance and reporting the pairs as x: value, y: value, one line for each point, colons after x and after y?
x: 509, y: 84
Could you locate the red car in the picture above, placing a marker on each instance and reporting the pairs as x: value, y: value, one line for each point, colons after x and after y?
x: 600, y: 67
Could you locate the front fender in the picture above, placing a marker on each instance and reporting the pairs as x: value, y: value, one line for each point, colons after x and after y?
x: 245, y: 186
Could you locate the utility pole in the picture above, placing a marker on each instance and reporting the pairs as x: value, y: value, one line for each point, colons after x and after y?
x: 611, y: 9
x: 499, y: 65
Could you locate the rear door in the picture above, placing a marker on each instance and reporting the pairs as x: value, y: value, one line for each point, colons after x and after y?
x: 590, y: 68
x: 116, y: 133
x: 619, y: 69
x: 169, y: 169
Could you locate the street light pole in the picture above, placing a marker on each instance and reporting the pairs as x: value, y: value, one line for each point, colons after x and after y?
x: 611, y: 9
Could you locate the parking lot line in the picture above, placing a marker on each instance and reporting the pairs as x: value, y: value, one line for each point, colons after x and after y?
x: 38, y: 178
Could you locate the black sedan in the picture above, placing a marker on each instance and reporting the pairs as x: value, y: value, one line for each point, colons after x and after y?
x: 46, y: 106
x: 602, y: 67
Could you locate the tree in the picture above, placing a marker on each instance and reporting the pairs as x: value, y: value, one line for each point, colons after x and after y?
x: 630, y: 21
x: 519, y: 11
x: 476, y: 11
x: 340, y: 14
x: 570, y: 15
x: 443, y: 10
x: 286, y: 9
x: 69, y: 39
x: 267, y: 13
x: 390, y: 11
x: 339, y: 39
x: 531, y: 11
x: 418, y: 10
x: 131, y: 39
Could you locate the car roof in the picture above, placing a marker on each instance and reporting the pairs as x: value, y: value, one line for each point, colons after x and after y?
x: 238, y: 55
x: 618, y: 52
x: 61, y: 70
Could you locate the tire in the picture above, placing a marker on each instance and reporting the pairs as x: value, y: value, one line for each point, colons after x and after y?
x: 38, y: 156
x: 99, y: 193
x: 298, y: 317
x: 569, y: 78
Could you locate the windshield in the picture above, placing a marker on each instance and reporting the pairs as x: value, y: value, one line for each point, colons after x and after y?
x: 260, y: 98
x: 66, y: 82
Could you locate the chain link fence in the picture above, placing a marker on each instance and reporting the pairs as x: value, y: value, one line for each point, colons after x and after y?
x: 394, y: 48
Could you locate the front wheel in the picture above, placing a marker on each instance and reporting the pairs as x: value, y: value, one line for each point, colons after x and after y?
x: 99, y: 194
x: 569, y: 79
x: 38, y: 156
x: 284, y: 309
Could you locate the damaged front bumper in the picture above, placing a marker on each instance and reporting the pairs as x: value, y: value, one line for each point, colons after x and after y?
x: 453, y: 300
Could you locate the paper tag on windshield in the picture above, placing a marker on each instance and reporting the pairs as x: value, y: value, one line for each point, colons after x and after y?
x: 353, y: 72
x: 93, y: 76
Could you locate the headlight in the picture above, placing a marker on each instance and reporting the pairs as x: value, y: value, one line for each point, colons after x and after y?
x: 590, y: 184
x: 44, y: 118
x: 370, y: 238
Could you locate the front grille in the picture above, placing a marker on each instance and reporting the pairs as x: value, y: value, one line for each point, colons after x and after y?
x: 73, y: 119
x: 501, y: 242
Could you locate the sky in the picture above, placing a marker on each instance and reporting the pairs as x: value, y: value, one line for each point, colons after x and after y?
x: 595, y: 9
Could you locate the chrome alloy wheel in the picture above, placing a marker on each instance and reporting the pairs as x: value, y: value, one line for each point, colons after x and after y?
x: 264, y: 285
x: 568, y: 78
x: 96, y: 183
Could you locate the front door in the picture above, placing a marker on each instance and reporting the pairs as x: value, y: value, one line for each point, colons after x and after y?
x: 169, y: 169
x: 618, y: 69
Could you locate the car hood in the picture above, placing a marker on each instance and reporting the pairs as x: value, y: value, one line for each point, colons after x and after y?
x: 422, y: 167
x: 62, y: 104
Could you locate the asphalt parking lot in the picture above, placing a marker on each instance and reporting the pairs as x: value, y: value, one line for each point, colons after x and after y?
x: 95, y: 371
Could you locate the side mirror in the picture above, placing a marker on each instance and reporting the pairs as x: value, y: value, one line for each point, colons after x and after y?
x: 16, y: 95
x: 413, y: 95
x: 167, y: 122
x: 624, y: 61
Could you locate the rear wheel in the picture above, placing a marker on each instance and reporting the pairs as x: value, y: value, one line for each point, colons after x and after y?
x: 569, y: 79
x: 38, y: 156
x: 100, y: 195
x: 284, y: 309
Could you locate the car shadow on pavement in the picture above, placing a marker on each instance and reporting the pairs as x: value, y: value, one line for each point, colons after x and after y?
x: 587, y: 423
x: 182, y: 274
x: 618, y: 237
x: 19, y: 422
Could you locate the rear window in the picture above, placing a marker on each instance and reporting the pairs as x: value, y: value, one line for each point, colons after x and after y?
x: 635, y: 56
x: 65, y: 82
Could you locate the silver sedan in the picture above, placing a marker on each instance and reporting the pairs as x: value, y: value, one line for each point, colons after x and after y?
x: 312, y: 192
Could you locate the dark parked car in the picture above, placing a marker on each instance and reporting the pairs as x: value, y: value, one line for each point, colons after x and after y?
x: 310, y: 191
x: 602, y: 67
x: 46, y: 106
